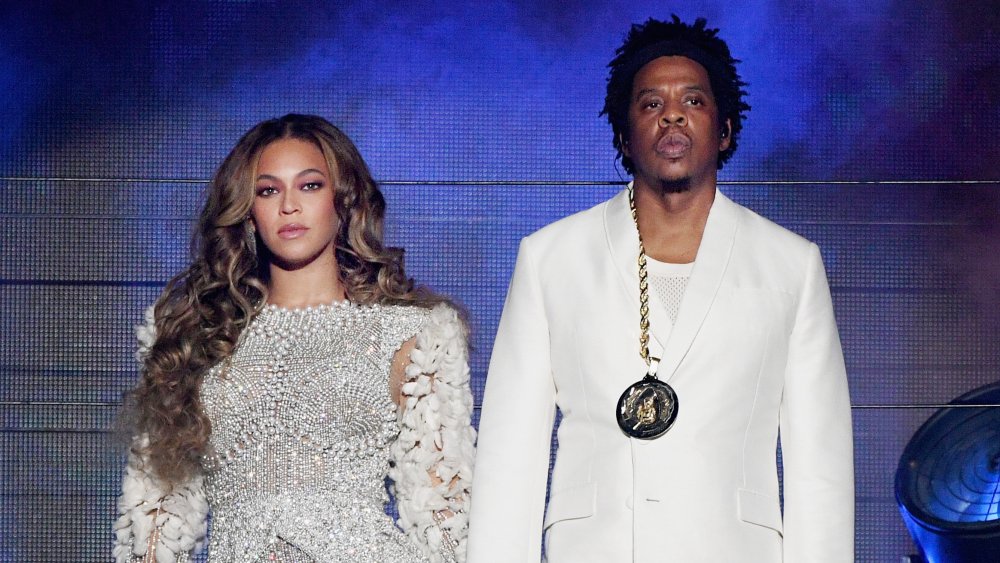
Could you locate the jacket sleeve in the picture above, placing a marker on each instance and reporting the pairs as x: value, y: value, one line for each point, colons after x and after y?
x: 816, y: 435
x: 515, y: 429
x: 436, y: 437
x: 170, y: 520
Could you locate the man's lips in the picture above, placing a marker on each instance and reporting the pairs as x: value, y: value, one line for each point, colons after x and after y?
x: 292, y: 230
x: 673, y: 145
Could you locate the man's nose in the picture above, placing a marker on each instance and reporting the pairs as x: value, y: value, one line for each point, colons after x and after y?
x: 673, y: 114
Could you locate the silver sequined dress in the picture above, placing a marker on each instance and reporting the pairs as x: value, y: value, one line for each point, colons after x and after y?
x: 302, y: 421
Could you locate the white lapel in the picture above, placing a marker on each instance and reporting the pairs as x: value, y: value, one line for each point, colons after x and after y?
x: 623, y: 241
x: 669, y: 342
x: 706, y: 277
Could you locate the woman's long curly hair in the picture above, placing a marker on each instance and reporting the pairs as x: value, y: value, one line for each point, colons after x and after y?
x: 202, y: 311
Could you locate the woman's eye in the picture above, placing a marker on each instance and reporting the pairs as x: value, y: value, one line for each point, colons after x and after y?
x: 312, y: 186
x: 264, y: 191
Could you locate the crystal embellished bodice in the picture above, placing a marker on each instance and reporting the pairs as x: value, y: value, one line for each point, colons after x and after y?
x: 302, y: 421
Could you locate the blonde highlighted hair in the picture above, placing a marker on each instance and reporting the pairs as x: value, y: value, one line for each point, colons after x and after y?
x: 203, y: 310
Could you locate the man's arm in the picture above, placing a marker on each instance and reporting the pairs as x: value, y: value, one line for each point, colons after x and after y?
x: 816, y: 436
x: 515, y: 429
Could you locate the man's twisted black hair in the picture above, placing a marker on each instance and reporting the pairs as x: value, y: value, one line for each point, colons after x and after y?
x: 656, y: 38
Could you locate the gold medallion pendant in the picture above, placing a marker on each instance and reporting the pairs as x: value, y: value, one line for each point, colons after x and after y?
x: 647, y: 409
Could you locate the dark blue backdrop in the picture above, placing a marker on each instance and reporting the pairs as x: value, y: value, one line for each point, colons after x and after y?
x: 873, y: 132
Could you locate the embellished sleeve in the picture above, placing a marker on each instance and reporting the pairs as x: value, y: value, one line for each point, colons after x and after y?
x: 436, y: 438
x: 173, y: 520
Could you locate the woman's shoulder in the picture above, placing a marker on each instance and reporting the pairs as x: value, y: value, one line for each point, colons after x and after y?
x: 430, y: 312
x: 402, y: 312
x: 434, y: 321
x: 399, y: 323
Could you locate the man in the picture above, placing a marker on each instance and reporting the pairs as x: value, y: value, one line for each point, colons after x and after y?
x: 670, y: 412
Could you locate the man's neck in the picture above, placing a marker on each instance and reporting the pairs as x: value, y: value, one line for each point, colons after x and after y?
x: 672, y: 222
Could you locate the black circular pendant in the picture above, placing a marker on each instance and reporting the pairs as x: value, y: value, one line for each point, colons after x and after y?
x: 647, y: 409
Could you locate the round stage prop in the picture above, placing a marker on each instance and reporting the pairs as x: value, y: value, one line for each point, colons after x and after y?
x: 948, y: 481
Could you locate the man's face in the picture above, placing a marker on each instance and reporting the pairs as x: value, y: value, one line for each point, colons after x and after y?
x: 674, y: 136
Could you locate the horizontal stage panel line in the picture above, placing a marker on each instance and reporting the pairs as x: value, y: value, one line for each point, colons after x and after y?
x: 944, y: 406
x: 104, y: 404
x: 84, y: 283
x: 462, y: 220
x: 523, y: 182
x: 861, y: 406
x: 836, y: 289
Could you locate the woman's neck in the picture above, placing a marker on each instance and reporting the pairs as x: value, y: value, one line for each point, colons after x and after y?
x: 317, y: 283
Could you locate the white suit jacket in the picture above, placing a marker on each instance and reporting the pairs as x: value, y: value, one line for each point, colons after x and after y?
x: 755, y: 349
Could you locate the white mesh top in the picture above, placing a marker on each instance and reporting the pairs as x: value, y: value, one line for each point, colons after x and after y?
x: 669, y: 282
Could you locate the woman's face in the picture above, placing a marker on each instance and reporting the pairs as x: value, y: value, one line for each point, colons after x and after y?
x: 293, y: 203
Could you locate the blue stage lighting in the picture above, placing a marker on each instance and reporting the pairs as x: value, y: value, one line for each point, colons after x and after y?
x: 948, y: 481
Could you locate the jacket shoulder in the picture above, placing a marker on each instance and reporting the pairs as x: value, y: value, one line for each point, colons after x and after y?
x: 754, y: 225
x: 570, y: 231
x: 775, y: 251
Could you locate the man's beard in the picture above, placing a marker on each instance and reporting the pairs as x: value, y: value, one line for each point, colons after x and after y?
x: 676, y: 186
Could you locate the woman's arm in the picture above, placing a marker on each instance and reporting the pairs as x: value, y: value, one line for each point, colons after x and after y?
x: 156, y: 522
x: 433, y: 455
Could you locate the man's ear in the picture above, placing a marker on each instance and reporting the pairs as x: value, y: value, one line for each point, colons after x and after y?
x: 725, y: 135
x: 623, y: 143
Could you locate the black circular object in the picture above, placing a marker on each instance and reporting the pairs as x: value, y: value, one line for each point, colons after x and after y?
x: 647, y: 409
x: 948, y: 481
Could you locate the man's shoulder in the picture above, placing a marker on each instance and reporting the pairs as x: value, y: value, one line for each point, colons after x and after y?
x: 573, y: 229
x: 767, y: 246
x: 753, y: 224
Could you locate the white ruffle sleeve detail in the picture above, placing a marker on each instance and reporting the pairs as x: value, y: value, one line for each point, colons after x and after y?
x: 181, y: 516
x: 436, y: 435
x: 180, y: 512
x: 145, y: 333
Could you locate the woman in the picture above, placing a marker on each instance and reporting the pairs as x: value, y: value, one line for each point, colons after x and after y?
x: 290, y: 369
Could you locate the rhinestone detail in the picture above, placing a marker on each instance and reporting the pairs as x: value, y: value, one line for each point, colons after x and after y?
x: 301, y: 422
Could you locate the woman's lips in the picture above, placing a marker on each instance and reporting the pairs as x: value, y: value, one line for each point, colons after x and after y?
x: 293, y: 230
x: 673, y: 145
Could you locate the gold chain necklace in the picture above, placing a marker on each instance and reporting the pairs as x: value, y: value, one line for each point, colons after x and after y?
x: 643, y: 290
x: 648, y: 407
